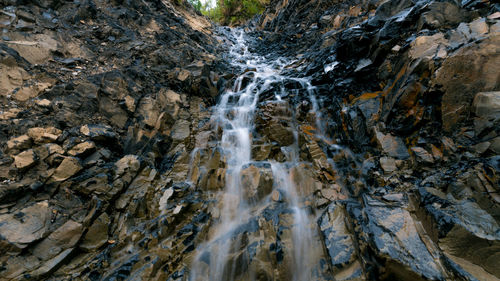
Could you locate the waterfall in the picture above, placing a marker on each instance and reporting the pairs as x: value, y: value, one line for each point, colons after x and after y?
x: 235, y: 116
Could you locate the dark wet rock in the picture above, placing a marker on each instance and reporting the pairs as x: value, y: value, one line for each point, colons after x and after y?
x: 340, y: 243
x: 98, y: 132
x: 273, y: 120
x: 465, y: 231
x: 395, y: 238
x: 261, y: 151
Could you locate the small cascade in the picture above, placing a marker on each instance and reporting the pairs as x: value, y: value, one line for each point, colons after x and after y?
x: 252, y: 185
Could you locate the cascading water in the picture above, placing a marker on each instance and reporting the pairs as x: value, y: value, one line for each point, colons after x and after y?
x: 235, y: 116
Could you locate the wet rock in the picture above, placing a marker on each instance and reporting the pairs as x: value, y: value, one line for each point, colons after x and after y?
x: 97, y: 157
x: 273, y: 121
x: 82, y: 149
x: 395, y: 238
x: 125, y: 170
x: 436, y: 153
x: 422, y: 155
x: 280, y: 133
x: 22, y: 228
x: 114, y: 89
x: 276, y: 196
x: 212, y: 174
x: 44, y: 135
x: 26, y: 93
x: 261, y: 152
x: 66, y: 236
x: 464, y: 230
x: 19, y: 143
x: 304, y: 180
x: 460, y: 36
x: 370, y: 109
x: 339, y: 243
x: 68, y: 168
x: 103, y: 69
x: 391, y: 145
x: 25, y: 15
x: 98, y: 132
x: 99, y: 185
x: 326, y: 20
x: 97, y: 234
x: 256, y: 181
x: 25, y: 159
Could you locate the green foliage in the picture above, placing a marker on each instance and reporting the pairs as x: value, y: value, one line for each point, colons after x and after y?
x: 196, y: 4
x: 231, y: 12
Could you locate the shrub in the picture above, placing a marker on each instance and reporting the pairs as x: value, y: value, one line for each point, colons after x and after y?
x: 231, y: 12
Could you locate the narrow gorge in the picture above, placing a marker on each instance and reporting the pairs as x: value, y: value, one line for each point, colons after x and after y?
x: 320, y: 140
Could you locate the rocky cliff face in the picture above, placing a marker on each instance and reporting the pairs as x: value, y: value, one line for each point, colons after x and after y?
x: 113, y: 166
x: 99, y: 100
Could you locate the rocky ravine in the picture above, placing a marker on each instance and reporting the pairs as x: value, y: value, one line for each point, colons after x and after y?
x: 104, y: 103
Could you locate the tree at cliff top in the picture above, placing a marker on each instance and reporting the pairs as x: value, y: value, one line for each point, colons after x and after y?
x: 230, y: 12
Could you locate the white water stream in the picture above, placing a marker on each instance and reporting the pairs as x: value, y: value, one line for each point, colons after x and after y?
x: 235, y: 114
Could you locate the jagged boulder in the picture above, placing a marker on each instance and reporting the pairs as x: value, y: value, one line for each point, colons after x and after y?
x: 470, y: 70
x: 467, y: 234
x: 339, y: 243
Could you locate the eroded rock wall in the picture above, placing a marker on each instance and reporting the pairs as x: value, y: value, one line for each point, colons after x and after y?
x: 99, y: 99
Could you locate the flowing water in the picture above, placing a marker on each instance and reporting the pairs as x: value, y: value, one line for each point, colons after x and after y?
x: 235, y: 116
